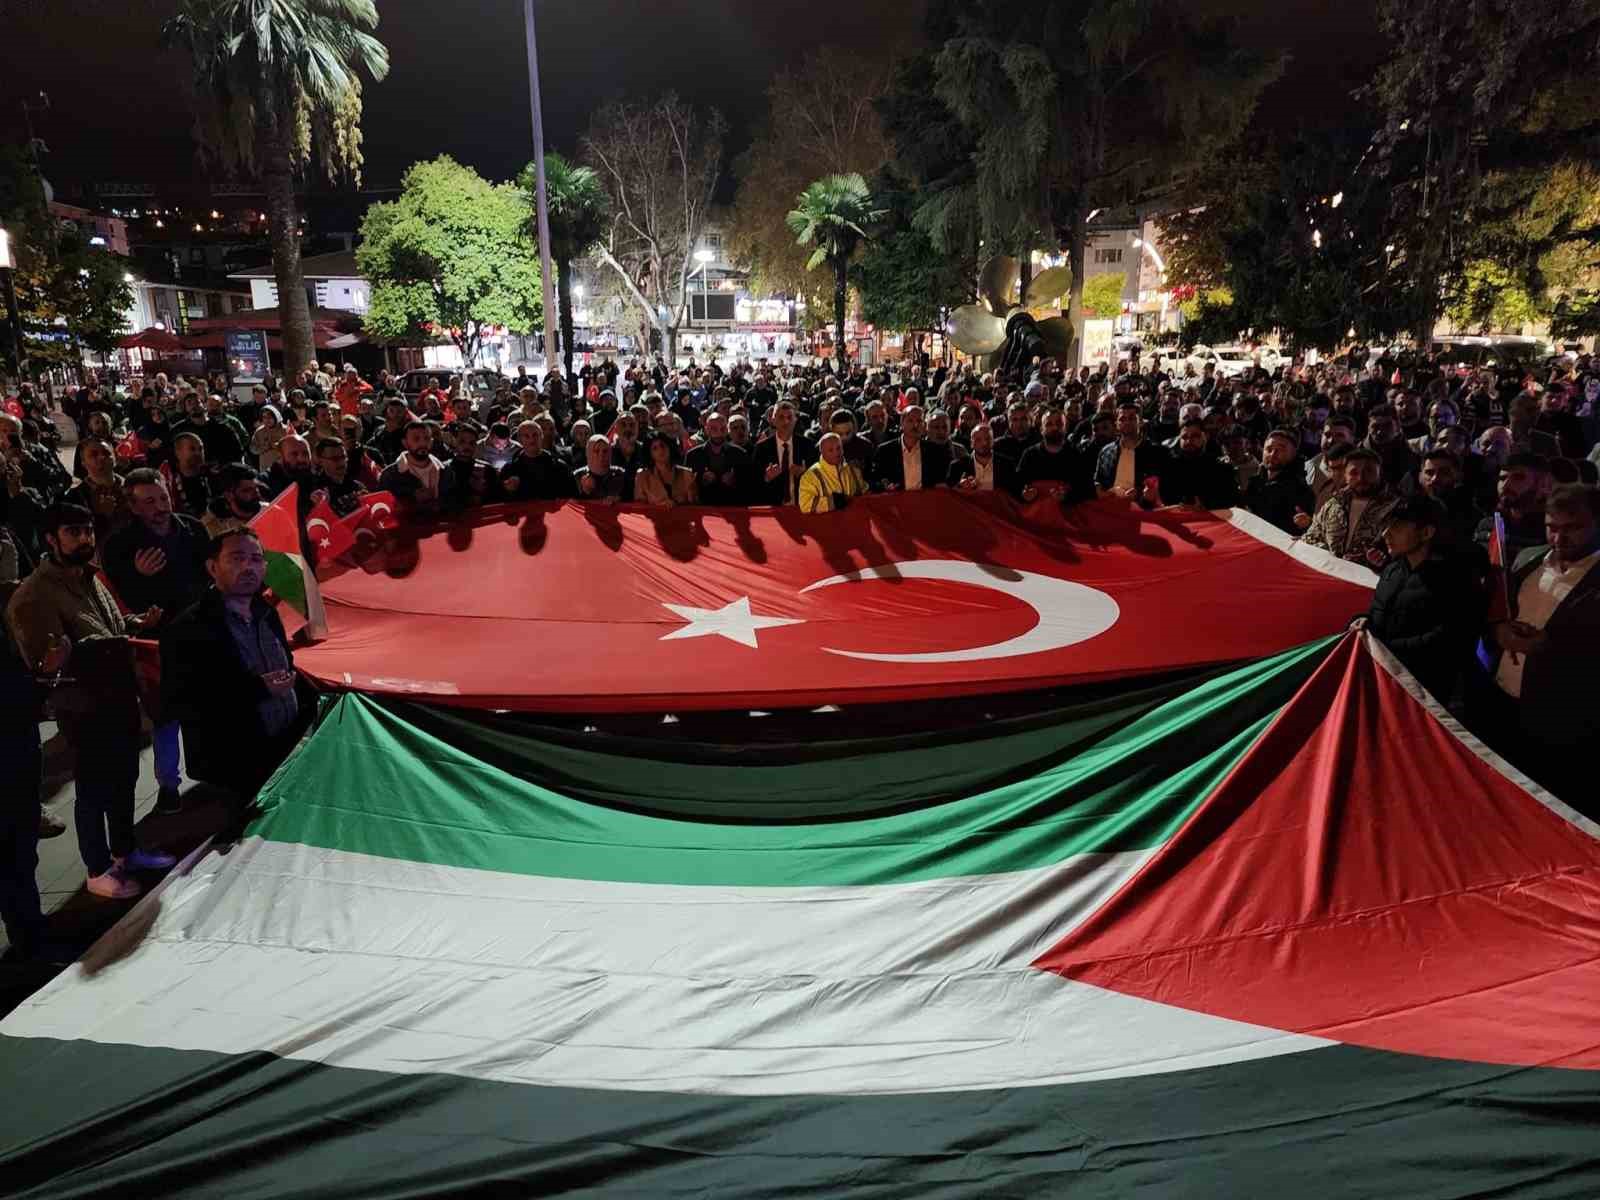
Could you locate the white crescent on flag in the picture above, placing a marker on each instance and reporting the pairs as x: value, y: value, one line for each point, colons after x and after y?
x: 1068, y: 612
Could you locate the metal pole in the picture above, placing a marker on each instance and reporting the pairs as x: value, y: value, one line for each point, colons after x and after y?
x: 547, y: 274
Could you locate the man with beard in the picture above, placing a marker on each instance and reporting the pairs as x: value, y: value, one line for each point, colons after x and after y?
x: 1053, y: 467
x: 911, y: 462
x: 533, y: 472
x: 1543, y: 708
x: 857, y: 450
x: 1324, y: 476
x: 1557, y: 420
x: 720, y: 468
x: 1279, y: 493
x: 1384, y: 440
x: 1126, y: 466
x: 1442, y: 418
x: 293, y: 466
x: 984, y: 470
x: 189, y: 479
x: 157, y: 561
x: 227, y: 674
x: 628, y: 454
x: 1351, y: 523
x: 414, y: 476
x: 877, y: 429
x: 218, y: 418
x: 1459, y: 518
x: 1524, y: 486
x: 97, y: 702
x: 389, y: 441
x: 238, y: 500
x: 1194, y: 475
x: 332, y: 478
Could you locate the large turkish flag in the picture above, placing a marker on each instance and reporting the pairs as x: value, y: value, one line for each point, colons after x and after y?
x: 622, y: 608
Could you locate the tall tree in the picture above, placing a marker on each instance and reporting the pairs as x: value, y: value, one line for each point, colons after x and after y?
x: 276, y: 82
x: 903, y: 280
x: 1076, y: 105
x: 659, y: 163
x: 576, y: 204
x: 1294, y: 235
x: 820, y: 121
x: 450, y: 256
x: 1473, y: 95
x: 834, y: 215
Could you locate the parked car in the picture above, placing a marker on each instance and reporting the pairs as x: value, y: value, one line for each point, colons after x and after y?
x: 1467, y: 354
x: 1227, y: 360
x: 480, y: 381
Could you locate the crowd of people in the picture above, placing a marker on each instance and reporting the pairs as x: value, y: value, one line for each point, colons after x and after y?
x: 1471, y: 497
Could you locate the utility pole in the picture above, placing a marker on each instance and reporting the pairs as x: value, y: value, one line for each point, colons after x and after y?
x: 541, y: 204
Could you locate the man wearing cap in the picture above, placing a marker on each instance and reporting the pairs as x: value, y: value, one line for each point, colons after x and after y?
x: 97, y: 702
x: 1425, y: 608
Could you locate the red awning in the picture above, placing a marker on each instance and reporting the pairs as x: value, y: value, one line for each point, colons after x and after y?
x: 155, y: 339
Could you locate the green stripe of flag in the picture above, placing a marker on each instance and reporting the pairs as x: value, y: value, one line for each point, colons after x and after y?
x: 425, y: 800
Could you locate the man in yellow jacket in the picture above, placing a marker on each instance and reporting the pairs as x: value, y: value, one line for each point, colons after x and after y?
x: 830, y: 482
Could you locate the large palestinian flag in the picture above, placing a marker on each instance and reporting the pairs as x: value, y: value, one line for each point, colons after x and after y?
x: 1271, y: 930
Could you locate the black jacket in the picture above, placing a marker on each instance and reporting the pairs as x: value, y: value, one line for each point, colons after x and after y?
x: 1067, y: 465
x: 1005, y: 473
x: 766, y: 454
x: 538, y: 477
x: 889, y: 468
x: 1428, y: 617
x: 1277, y: 500
x: 177, y: 585
x: 207, y: 687
x: 721, y: 460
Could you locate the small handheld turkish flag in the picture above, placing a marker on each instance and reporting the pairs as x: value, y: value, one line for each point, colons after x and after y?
x: 374, y: 515
x: 328, y: 536
x: 380, y: 510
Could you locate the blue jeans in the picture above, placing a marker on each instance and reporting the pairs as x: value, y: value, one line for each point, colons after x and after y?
x: 106, y: 773
x: 20, y: 765
x: 164, y: 740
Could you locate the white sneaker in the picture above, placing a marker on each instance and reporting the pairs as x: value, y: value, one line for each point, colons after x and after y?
x: 112, y: 885
x: 145, y: 860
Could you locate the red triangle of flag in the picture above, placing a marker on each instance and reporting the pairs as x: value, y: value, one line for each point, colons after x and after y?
x: 1366, y: 876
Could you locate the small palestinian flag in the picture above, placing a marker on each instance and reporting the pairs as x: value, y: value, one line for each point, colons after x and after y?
x: 289, y: 575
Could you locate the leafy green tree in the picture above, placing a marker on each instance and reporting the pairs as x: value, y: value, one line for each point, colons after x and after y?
x: 451, y: 255
x: 1073, y: 105
x: 1490, y: 297
x: 906, y: 284
x: 1102, y: 295
x: 1295, y: 236
x: 834, y: 215
x: 93, y: 297
x: 276, y: 81
x: 1475, y: 97
x: 576, y: 206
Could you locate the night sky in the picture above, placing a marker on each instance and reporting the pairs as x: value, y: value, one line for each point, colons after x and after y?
x: 458, y: 79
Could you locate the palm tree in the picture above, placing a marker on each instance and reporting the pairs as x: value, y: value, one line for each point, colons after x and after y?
x: 834, y: 213
x: 272, y: 80
x: 577, y: 211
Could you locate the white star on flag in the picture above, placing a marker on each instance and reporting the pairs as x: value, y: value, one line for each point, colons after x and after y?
x: 733, y: 621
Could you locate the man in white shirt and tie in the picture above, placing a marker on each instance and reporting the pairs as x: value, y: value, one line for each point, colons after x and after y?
x: 910, y: 463
x: 782, y: 458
